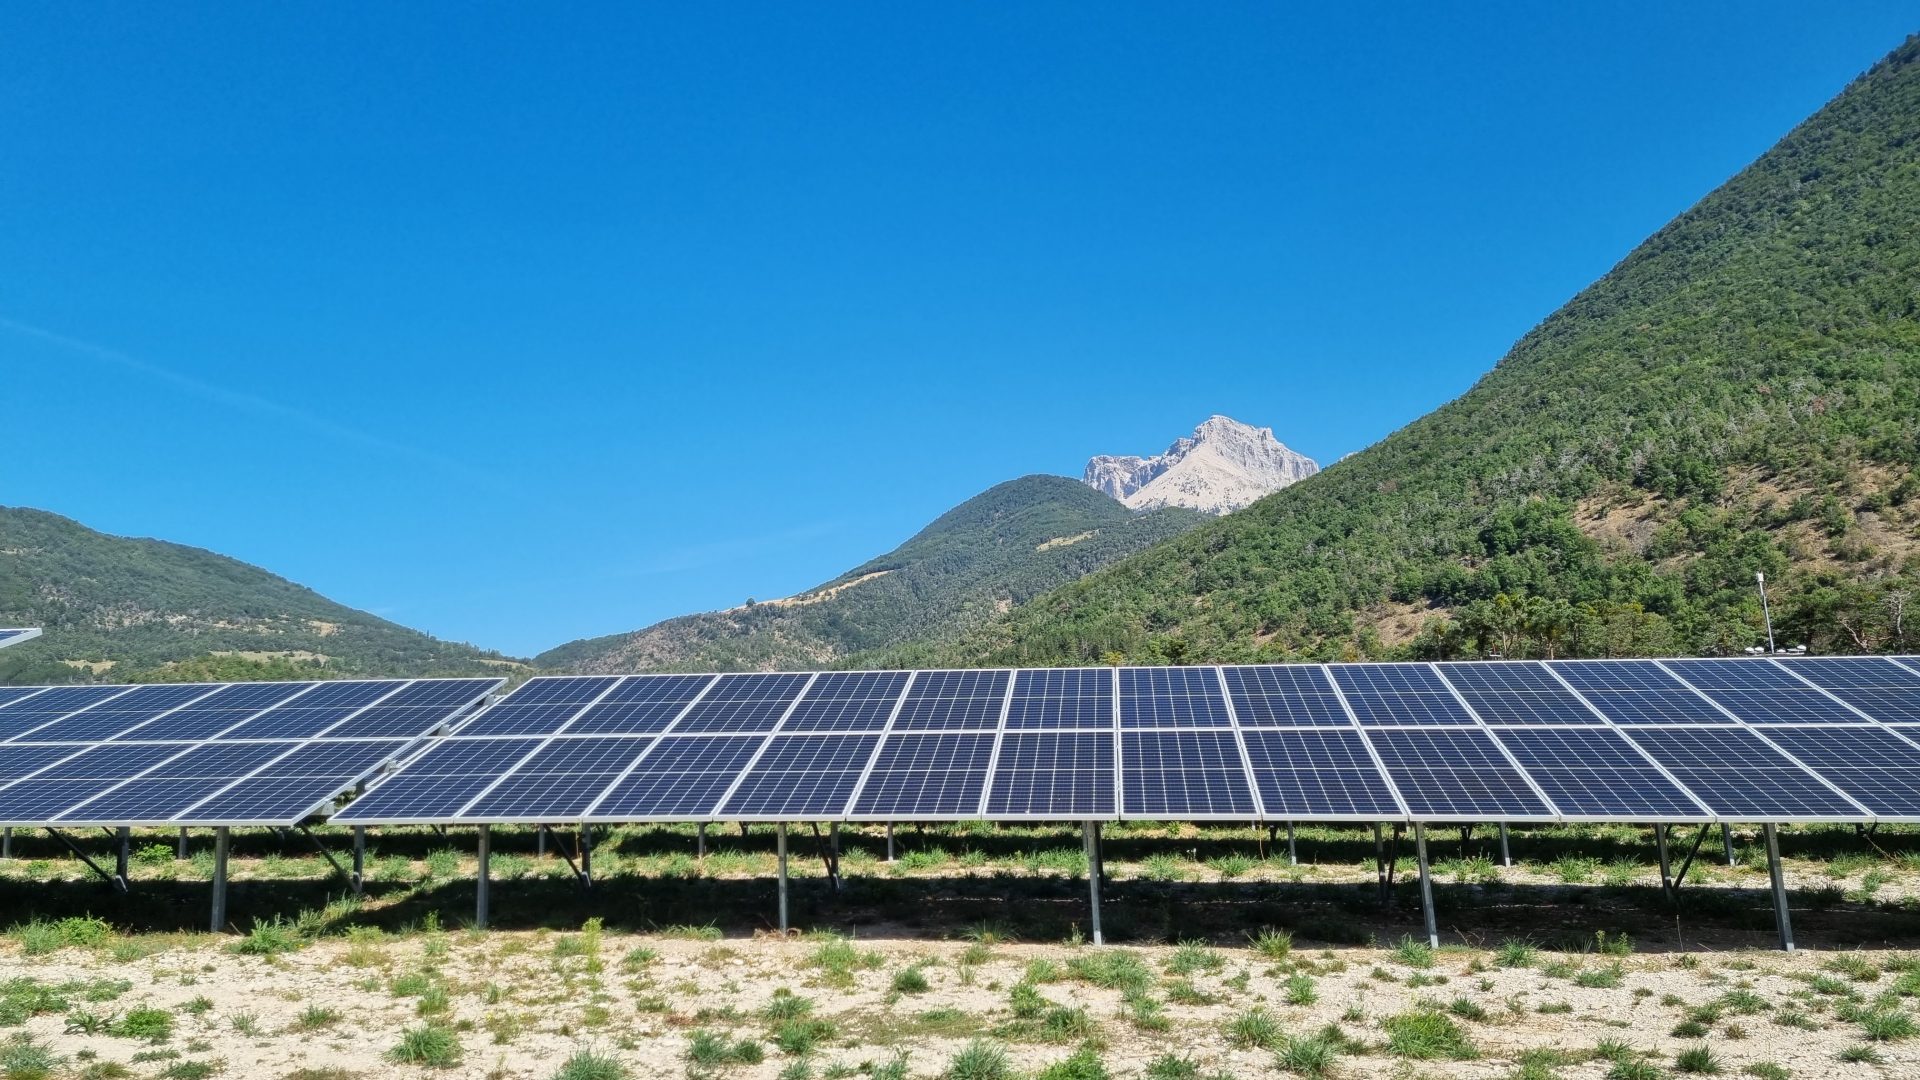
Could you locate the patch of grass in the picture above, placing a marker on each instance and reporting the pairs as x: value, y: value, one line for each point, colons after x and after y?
x: 786, y: 1005
x: 1862, y: 1054
x: 1414, y: 954
x: 1192, y: 957
x: 1064, y: 1023
x: 428, y: 1044
x: 1170, y: 1067
x: 1574, y: 871
x: 1083, y: 1064
x: 145, y: 1024
x: 22, y: 1058
x: 1599, y: 978
x: 1468, y: 1009
x: 1426, y: 1034
x: 591, y: 1065
x: 1274, y: 945
x: 268, y: 937
x: 1312, y: 1056
x: 979, y: 1060
x: 188, y: 1070
x: 911, y: 980
x: 712, y: 1048
x: 1111, y: 969
x: 837, y: 957
x: 1887, y: 1025
x: 1255, y: 1029
x: 1767, y: 1070
x: 1516, y: 953
x: 1697, y: 1061
x: 1299, y: 989
x: 1026, y: 1002
x: 1162, y: 868
x: 1232, y: 866
x: 315, y: 1017
x: 1635, y: 1069
x: 37, y: 937
x: 800, y: 1037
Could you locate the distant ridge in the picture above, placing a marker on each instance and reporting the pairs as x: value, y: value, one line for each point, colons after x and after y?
x: 1223, y: 466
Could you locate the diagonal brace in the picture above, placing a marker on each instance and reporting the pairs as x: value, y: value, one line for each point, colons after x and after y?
x: 119, y: 883
x: 324, y: 853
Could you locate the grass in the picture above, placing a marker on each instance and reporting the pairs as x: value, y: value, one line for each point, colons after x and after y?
x: 1255, y: 1029
x: 911, y: 980
x: 1862, y: 1054
x: 269, y: 937
x: 711, y: 1048
x: 979, y: 1060
x: 428, y: 1044
x: 591, y: 1065
x: 1413, y: 953
x: 1192, y: 957
x: 1274, y: 945
x: 1312, y: 1056
x: 1426, y: 1034
x: 1083, y: 1064
x: 22, y: 1058
x: 1635, y: 1069
x: 1887, y: 1025
x: 38, y: 937
x: 1111, y: 969
x: 145, y: 1024
x: 1516, y: 953
x: 1697, y: 1061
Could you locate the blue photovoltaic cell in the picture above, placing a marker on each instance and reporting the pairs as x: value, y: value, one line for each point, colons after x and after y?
x: 1632, y: 707
x: 414, y: 711
x: 1187, y: 697
x: 1876, y: 767
x: 1740, y: 776
x: 1887, y: 704
x: 1284, y: 695
x: 1510, y: 675
x: 680, y: 778
x: 1053, y: 774
x: 642, y: 704
x: 20, y: 716
x: 1387, y: 678
x: 848, y: 701
x: 1318, y: 773
x: 539, y: 707
x: 216, y: 713
x: 559, y: 782
x: 440, y: 781
x: 1376, y: 709
x: 1517, y: 693
x: 25, y: 760
x: 1587, y: 675
x: 927, y: 774
x: 109, y: 718
x: 62, y: 784
x: 1455, y: 775
x: 802, y: 776
x: 1846, y: 672
x: 172, y: 785
x: 10, y: 694
x: 1597, y: 772
x: 1799, y: 704
x: 1062, y: 698
x: 954, y: 700
x: 1749, y: 673
x: 1184, y: 774
x: 744, y: 703
x: 315, y: 711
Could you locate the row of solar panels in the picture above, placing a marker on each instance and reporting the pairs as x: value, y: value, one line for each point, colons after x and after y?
x: 210, y: 754
x: 16, y: 635
x: 1822, y: 739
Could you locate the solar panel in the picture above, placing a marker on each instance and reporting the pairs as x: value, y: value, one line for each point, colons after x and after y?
x: 168, y: 786
x: 934, y: 774
x: 1635, y: 707
x: 1740, y: 776
x: 1745, y: 674
x: 541, y: 706
x: 1876, y: 767
x: 744, y: 703
x: 322, y: 707
x: 1188, y: 775
x: 1062, y: 698
x: 1053, y: 774
x: 1590, y: 772
x: 1304, y: 774
x: 1456, y: 774
x: 1284, y: 695
x: 1376, y: 709
x: 1875, y: 685
x: 1587, y: 675
x: 16, y: 635
x: 1517, y: 693
x: 1171, y: 697
x: 215, y: 713
x: 1784, y: 705
x: 559, y: 781
x: 954, y: 701
x: 680, y: 779
x: 801, y: 776
x: 10, y: 694
x: 640, y: 704
x: 24, y: 714
x: 111, y: 716
x: 848, y: 701
x: 435, y: 785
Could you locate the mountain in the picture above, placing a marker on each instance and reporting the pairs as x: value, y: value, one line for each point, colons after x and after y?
x: 115, y: 607
x: 990, y: 553
x: 1740, y: 394
x: 1222, y: 466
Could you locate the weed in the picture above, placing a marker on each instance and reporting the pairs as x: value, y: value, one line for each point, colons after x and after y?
x: 590, y: 1065
x: 911, y: 980
x: 38, y: 937
x: 1255, y: 1029
x: 800, y: 1037
x: 1887, y: 1025
x: 979, y: 1060
x: 1468, y: 1009
x: 1084, y: 1064
x: 1767, y: 1070
x: 1697, y: 1060
x: 1162, y: 868
x: 1112, y: 969
x: 1574, y: 871
x: 1026, y: 1001
x: 145, y: 1024
x: 1635, y: 1069
x: 1414, y: 954
x: 1232, y: 866
x: 244, y: 1023
x: 1310, y: 1057
x: 713, y: 1048
x: 1169, y: 1067
x: 316, y: 1017
x: 1065, y: 1024
x: 1862, y: 1054
x: 1425, y: 1034
x: 1191, y: 957
x: 1516, y: 953
x: 427, y: 1045
x: 268, y: 937
x: 1599, y: 978
x: 1300, y: 989
x: 786, y: 1005
x: 1274, y: 945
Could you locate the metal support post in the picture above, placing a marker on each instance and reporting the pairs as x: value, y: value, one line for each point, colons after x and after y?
x: 6, y: 842
x: 180, y: 851
x: 1088, y: 836
x: 1293, y: 853
x: 1098, y: 864
x: 700, y: 840
x: 1666, y: 863
x: 1726, y: 840
x: 122, y: 849
x: 586, y: 856
x: 1779, y: 887
x: 1506, y: 853
x: 540, y: 840
x: 1380, y: 862
x: 481, y: 884
x: 780, y: 849
x: 889, y: 841
x: 1426, y: 884
x: 220, y: 844
x: 359, y: 859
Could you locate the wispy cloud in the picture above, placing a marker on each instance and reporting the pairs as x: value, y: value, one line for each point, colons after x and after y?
x: 238, y: 400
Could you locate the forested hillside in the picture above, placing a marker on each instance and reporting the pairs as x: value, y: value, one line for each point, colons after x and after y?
x: 1740, y: 394
x: 120, y: 608
x: 994, y: 551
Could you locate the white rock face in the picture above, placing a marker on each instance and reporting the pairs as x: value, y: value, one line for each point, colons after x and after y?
x: 1222, y: 466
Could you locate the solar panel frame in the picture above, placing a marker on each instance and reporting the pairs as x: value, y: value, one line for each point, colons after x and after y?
x: 16, y: 635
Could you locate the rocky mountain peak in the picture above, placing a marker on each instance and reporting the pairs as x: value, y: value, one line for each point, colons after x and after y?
x: 1222, y: 466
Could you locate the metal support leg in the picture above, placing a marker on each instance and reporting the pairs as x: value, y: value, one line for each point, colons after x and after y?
x: 6, y: 842
x: 586, y: 856
x: 1380, y: 862
x: 700, y: 840
x: 1093, y: 881
x: 121, y: 850
x: 481, y: 883
x: 220, y: 843
x: 1293, y: 853
x: 1779, y: 887
x: 540, y: 840
x: 1506, y: 853
x: 780, y: 849
x: 359, y: 876
x: 1426, y: 884
x: 889, y: 841
x: 1726, y: 841
x: 180, y: 851
x: 1099, y: 862
x: 1666, y: 862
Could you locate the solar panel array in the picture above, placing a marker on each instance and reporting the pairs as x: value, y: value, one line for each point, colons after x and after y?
x: 1804, y: 739
x: 16, y: 635
x: 209, y: 754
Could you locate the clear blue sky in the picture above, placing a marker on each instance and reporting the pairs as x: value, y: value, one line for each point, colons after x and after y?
x: 518, y: 323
